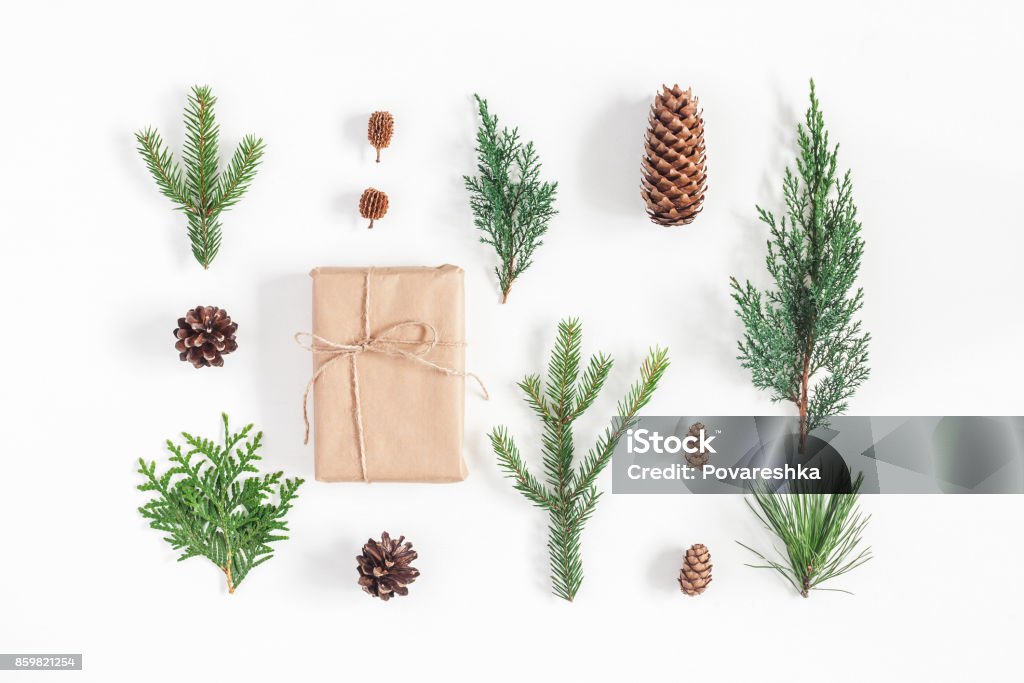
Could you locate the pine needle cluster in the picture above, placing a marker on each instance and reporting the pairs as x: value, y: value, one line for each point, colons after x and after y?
x: 208, y: 507
x: 821, y: 533
x: 569, y: 494
x: 511, y: 206
x: 201, y: 191
x: 801, y: 341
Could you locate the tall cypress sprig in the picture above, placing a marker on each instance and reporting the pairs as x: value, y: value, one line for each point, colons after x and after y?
x: 511, y: 206
x: 801, y: 339
x: 569, y: 494
x: 201, y: 191
x: 209, y: 507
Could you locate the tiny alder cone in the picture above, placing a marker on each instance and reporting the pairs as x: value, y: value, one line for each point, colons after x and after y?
x: 373, y: 205
x: 385, y: 568
x: 701, y: 456
x: 205, y: 335
x: 675, y: 164
x: 695, y: 575
x: 379, y: 130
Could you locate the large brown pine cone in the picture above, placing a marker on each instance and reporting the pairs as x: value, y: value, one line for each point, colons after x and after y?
x: 384, y: 567
x: 205, y: 335
x: 379, y: 130
x: 675, y: 165
x: 695, y: 576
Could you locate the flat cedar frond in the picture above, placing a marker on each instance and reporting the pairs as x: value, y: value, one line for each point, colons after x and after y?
x: 569, y: 494
x: 821, y: 534
x: 209, y: 508
x: 801, y: 340
x: 201, y: 191
x: 511, y: 206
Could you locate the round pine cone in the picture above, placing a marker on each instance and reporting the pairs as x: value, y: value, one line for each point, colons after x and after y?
x: 700, y: 458
x: 373, y: 204
x: 379, y: 130
x: 695, y: 576
x: 675, y: 170
x: 205, y: 335
x: 384, y: 567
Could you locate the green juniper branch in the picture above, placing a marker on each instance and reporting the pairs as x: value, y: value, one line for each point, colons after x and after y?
x: 208, y: 510
x: 511, y: 206
x: 199, y: 191
x: 570, y: 495
x: 801, y: 341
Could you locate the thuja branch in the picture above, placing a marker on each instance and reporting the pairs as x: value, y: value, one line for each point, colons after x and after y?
x: 568, y: 493
x: 802, y: 341
x: 511, y: 206
x: 200, y: 191
x: 208, y: 508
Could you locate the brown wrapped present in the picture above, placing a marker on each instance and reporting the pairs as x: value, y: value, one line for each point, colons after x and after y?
x: 388, y: 374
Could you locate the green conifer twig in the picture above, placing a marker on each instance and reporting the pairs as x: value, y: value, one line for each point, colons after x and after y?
x: 208, y: 509
x: 821, y: 533
x: 801, y: 341
x: 511, y: 206
x: 568, y: 494
x: 199, y: 191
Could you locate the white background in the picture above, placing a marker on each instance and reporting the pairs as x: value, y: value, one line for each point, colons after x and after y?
x: 924, y: 98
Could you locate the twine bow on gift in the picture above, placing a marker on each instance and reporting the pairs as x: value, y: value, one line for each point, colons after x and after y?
x: 382, y: 343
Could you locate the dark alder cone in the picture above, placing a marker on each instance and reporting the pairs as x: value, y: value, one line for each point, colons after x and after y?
x: 701, y: 456
x: 384, y: 567
x: 695, y: 576
x: 379, y: 130
x: 205, y: 335
x: 373, y: 204
x: 675, y: 166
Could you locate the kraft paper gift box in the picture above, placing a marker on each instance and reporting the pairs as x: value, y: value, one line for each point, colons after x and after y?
x: 389, y: 374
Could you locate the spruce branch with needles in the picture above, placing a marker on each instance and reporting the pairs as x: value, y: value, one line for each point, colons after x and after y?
x: 201, y: 191
x: 569, y: 493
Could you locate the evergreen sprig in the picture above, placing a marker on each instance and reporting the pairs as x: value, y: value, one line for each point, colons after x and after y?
x: 209, y: 508
x: 201, y: 191
x: 801, y: 341
x: 821, y: 533
x: 511, y: 206
x: 570, y: 494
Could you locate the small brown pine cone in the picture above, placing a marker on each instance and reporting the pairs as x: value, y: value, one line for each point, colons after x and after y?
x: 695, y: 576
x: 701, y: 457
x: 205, y: 335
x: 379, y: 130
x: 675, y: 170
x: 384, y: 567
x: 373, y: 204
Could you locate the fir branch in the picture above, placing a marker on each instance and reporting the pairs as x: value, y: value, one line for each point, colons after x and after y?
x: 208, y: 509
x: 200, y: 191
x: 162, y: 167
x: 821, y: 534
x: 511, y: 206
x: 801, y: 340
x: 570, y: 495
